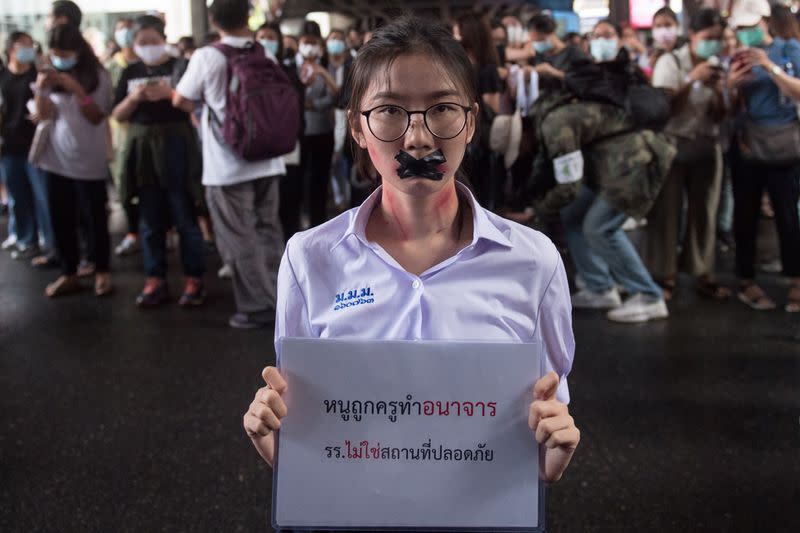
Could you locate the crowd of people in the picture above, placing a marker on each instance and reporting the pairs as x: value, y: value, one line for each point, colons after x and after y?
x: 562, y: 143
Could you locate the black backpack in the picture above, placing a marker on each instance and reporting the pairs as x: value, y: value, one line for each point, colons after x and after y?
x: 623, y: 84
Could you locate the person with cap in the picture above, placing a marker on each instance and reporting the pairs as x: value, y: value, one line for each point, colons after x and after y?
x: 764, y: 78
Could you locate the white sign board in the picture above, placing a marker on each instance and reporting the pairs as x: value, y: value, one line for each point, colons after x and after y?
x: 407, y: 434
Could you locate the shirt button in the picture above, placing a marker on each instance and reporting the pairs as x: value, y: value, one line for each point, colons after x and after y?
x: 416, y: 284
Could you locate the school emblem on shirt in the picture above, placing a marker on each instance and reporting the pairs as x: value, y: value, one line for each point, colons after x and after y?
x: 353, y: 298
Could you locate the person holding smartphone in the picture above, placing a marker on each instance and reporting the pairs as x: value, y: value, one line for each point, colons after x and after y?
x: 764, y: 79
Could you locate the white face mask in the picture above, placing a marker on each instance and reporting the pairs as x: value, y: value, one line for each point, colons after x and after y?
x: 310, y: 51
x: 150, y: 54
x: 665, y: 35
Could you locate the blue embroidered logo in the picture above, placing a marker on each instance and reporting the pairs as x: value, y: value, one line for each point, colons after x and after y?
x: 354, y: 298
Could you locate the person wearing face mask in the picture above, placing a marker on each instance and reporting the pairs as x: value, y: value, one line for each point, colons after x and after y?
x: 26, y: 185
x: 160, y: 164
x: 764, y: 80
x: 317, y: 144
x: 665, y: 34
x: 76, y: 97
x: 269, y: 35
x: 553, y: 56
x: 692, y: 77
x: 604, y: 45
x: 123, y: 36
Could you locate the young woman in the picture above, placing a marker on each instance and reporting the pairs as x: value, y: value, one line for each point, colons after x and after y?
x: 160, y: 164
x: 764, y: 78
x: 665, y: 34
x: 76, y: 96
x: 27, y: 186
x: 605, y: 44
x: 423, y: 238
x: 698, y: 108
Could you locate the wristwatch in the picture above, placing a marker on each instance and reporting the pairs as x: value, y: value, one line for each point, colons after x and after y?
x: 776, y: 70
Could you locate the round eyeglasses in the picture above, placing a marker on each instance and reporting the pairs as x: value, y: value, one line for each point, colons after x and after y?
x: 445, y: 120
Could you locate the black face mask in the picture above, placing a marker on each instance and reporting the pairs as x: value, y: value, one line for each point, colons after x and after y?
x: 411, y: 167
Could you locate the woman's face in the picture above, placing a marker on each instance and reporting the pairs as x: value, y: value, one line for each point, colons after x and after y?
x: 663, y: 21
x: 267, y: 34
x: 709, y: 39
x: 414, y: 83
x: 604, y: 31
x: 148, y: 37
x: 24, y: 42
x: 729, y: 40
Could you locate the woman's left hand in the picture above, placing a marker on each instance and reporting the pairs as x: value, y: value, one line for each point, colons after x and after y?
x: 553, y: 427
x: 70, y: 84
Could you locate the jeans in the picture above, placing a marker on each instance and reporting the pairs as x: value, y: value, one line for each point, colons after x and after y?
x: 18, y: 172
x: 155, y: 206
x: 600, y: 249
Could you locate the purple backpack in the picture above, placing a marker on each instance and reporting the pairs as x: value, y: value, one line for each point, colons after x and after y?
x: 262, y: 107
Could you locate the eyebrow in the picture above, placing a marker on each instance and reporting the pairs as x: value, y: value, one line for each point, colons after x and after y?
x: 431, y: 96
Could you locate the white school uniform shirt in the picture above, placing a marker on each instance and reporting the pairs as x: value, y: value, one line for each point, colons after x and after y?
x: 206, y: 79
x: 508, y: 285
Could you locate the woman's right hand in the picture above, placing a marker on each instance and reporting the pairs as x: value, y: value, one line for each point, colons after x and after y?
x: 739, y: 74
x: 264, y: 415
x: 703, y: 72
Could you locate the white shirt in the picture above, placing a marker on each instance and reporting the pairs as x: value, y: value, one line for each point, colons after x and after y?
x: 206, y: 79
x: 508, y: 285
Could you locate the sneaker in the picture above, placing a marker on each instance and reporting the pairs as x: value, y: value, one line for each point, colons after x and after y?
x: 128, y: 246
x: 226, y: 272
x: 586, y: 299
x: 194, y: 293
x: 639, y: 308
x: 9, y: 243
x: 154, y: 293
x: 23, y: 253
x: 248, y: 321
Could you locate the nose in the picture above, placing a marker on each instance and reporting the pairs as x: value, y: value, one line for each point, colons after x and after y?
x: 418, y: 141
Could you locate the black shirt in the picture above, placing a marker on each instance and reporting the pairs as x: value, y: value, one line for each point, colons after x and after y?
x: 162, y: 111
x: 564, y: 61
x: 489, y: 80
x: 17, y: 130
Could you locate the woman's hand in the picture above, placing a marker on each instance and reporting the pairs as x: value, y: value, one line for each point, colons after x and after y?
x: 703, y: 72
x: 45, y: 80
x: 553, y: 427
x: 264, y: 415
x: 70, y: 84
x: 757, y: 57
x: 739, y: 74
x: 159, y: 91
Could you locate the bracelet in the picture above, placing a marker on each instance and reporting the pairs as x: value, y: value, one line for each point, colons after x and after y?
x: 86, y: 100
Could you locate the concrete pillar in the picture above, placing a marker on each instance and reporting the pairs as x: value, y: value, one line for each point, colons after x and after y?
x: 199, y: 20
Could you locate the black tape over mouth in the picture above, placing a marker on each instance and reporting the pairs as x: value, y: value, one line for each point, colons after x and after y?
x: 426, y: 167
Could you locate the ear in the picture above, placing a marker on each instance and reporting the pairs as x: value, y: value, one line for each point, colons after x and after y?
x: 355, y: 129
x: 472, y: 118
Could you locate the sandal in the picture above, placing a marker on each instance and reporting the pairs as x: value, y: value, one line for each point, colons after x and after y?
x: 712, y: 290
x: 751, y: 295
x: 668, y: 287
x: 793, y: 299
x: 44, y: 261
x: 62, y: 286
x: 102, y: 284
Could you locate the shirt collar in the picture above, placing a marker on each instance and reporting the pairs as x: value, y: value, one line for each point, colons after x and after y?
x: 483, y: 227
x: 236, y: 42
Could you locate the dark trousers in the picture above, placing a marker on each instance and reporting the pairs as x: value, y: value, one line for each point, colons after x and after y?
x: 156, y: 204
x: 749, y: 181
x: 316, y: 152
x: 132, y: 216
x: 66, y: 195
x: 291, y: 202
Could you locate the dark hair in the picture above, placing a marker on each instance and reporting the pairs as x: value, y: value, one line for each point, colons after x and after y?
x: 123, y: 20
x: 405, y: 36
x: 311, y: 29
x: 276, y: 27
x: 87, y: 69
x: 186, y: 43
x: 666, y: 11
x: 12, y: 40
x: 356, y: 28
x: 476, y: 38
x: 230, y: 15
x: 706, y: 18
x: 68, y: 9
x: 336, y: 30
x: 149, y: 22
x: 542, y: 23
x: 782, y: 23
x: 616, y: 27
